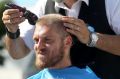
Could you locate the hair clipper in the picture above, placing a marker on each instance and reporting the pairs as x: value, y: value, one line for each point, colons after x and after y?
x: 32, y: 18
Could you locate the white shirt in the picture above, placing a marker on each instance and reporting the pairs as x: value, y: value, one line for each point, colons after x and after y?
x: 112, y: 10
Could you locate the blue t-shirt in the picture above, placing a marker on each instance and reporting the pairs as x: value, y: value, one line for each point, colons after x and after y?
x: 65, y: 73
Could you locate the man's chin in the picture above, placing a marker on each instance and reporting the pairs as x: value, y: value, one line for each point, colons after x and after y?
x: 40, y: 65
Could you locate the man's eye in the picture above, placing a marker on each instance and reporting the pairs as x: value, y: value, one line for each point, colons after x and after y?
x: 48, y: 40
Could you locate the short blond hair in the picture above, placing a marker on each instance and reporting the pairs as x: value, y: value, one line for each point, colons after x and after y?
x: 53, y: 21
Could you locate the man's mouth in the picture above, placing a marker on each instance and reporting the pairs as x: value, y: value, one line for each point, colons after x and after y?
x: 42, y: 52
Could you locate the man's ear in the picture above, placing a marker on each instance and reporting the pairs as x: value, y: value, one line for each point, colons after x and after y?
x: 68, y: 41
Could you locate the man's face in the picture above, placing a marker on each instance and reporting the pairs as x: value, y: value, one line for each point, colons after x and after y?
x: 49, y: 47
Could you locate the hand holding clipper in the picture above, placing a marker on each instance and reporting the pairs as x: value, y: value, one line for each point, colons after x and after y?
x: 32, y: 18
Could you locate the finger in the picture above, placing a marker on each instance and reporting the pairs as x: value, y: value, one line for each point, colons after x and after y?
x: 73, y: 32
x: 14, y: 21
x: 16, y: 15
x: 12, y: 25
x: 68, y: 19
x: 17, y: 20
x: 6, y: 17
x: 10, y: 11
x: 72, y: 26
x: 71, y: 20
x: 12, y: 16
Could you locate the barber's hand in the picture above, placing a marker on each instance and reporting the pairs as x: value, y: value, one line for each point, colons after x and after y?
x: 12, y: 18
x: 78, y: 28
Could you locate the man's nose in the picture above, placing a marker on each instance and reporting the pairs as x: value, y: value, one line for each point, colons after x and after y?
x: 41, y: 44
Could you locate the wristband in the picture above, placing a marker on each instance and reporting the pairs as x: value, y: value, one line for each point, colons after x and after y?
x: 13, y: 35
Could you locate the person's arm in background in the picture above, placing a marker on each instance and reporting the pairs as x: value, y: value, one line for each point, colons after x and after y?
x: 109, y: 43
x: 77, y: 27
x: 16, y: 47
x: 20, y: 47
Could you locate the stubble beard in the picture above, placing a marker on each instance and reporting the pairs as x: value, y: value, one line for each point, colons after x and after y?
x: 51, y: 62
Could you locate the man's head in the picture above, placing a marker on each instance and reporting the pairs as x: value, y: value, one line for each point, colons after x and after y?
x: 52, y: 42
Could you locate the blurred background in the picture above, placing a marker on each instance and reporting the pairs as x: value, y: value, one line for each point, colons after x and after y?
x: 10, y: 68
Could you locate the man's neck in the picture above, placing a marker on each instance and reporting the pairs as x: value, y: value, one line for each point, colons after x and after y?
x: 65, y: 62
x: 69, y: 3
